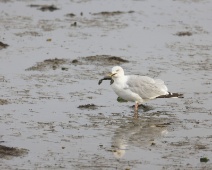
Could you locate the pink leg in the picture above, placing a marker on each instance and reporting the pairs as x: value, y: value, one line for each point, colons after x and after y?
x: 136, y: 110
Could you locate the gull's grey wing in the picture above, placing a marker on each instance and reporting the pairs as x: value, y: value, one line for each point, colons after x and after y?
x: 146, y: 87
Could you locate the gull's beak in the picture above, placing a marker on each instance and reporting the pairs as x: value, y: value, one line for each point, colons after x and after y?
x: 110, y: 75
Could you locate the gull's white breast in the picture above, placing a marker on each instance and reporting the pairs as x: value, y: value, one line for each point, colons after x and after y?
x: 121, y: 88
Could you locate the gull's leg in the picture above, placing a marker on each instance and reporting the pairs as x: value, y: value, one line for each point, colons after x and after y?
x: 136, y: 110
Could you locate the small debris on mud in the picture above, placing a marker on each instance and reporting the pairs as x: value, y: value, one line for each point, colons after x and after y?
x: 2, y: 45
x: 75, y: 61
x: 64, y: 69
x: 3, y: 102
x: 70, y: 15
x: 34, y: 6
x: 204, y: 159
x: 44, y: 7
x: 48, y: 8
x: 120, y: 100
x: 88, y: 106
x: 49, y: 39
x: 184, y: 33
x: 106, y: 13
x: 74, y: 24
x: 8, y: 152
x: 153, y: 144
x: 163, y: 125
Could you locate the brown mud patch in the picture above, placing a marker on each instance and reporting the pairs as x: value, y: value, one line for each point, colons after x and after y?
x: 204, y: 159
x: 28, y: 33
x: 44, y: 7
x: 49, y: 64
x: 183, y: 33
x: 70, y: 15
x: 63, y: 64
x: 3, y: 45
x: 9, y: 152
x: 105, y: 60
x: 106, y: 13
x: 88, y: 106
x: 3, y: 102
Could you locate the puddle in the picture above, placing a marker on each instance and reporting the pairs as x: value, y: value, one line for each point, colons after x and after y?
x: 55, y: 115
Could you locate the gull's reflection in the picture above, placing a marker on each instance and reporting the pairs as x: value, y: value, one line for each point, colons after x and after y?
x: 138, y: 132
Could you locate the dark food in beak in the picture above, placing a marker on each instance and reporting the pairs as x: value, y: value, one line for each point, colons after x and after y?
x: 106, y: 78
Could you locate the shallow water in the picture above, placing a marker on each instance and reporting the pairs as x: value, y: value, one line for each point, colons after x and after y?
x: 42, y: 115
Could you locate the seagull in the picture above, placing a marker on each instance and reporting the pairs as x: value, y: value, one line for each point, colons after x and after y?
x: 138, y: 89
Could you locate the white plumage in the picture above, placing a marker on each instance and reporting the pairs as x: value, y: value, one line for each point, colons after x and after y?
x: 135, y: 88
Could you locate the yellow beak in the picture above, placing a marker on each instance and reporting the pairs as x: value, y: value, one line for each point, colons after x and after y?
x: 111, y: 74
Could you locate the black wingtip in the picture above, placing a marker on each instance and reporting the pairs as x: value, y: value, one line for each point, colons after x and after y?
x: 171, y: 95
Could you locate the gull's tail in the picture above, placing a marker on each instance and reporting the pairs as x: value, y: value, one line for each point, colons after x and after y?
x: 171, y: 95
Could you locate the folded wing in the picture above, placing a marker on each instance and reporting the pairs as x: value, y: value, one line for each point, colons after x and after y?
x: 146, y: 87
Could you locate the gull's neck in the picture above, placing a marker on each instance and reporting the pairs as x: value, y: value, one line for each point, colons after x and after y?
x: 120, y: 79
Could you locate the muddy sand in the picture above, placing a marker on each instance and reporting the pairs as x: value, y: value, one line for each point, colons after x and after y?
x: 54, y: 115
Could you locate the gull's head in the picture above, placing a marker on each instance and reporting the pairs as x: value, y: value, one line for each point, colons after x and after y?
x: 117, y: 72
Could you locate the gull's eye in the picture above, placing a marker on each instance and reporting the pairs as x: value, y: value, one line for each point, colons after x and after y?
x: 117, y: 70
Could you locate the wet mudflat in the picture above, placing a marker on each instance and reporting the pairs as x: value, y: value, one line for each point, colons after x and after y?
x: 54, y: 115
